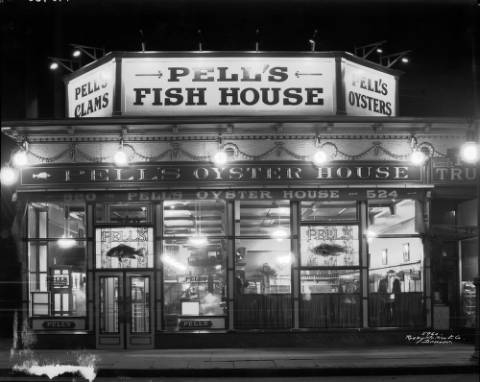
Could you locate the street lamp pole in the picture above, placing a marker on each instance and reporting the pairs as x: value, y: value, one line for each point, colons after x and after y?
x: 476, y: 121
x: 476, y: 281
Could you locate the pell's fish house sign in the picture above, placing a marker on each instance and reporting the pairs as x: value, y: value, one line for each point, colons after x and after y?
x: 155, y: 84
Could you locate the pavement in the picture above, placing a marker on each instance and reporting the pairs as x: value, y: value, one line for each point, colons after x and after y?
x: 255, y: 362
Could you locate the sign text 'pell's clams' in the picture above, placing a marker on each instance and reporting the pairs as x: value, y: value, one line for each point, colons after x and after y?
x: 91, y: 95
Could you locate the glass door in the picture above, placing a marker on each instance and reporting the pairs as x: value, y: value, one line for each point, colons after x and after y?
x: 139, y: 303
x: 109, y: 304
x: 124, y: 310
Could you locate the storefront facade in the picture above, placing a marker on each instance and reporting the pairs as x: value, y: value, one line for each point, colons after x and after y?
x: 268, y: 247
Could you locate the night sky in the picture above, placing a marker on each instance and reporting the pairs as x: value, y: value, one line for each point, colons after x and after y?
x: 437, y: 82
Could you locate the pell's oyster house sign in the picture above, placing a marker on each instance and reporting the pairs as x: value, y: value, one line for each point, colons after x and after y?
x: 205, y: 174
x: 230, y: 83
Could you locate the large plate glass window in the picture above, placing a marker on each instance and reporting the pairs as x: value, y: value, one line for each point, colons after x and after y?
x: 329, y: 265
x: 194, y: 258
x: 56, y: 259
x: 395, y: 251
x: 263, y: 262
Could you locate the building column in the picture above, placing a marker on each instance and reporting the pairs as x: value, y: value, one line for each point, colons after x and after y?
x: 364, y: 263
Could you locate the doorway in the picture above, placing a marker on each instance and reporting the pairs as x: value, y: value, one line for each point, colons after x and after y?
x: 124, y: 310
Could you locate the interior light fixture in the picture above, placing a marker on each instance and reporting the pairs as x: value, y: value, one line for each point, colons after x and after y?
x: 20, y: 158
x: 8, y: 176
x: 279, y: 234
x: 66, y: 242
x: 198, y: 240
x: 469, y: 152
x: 285, y: 260
x: 172, y: 262
x: 370, y: 234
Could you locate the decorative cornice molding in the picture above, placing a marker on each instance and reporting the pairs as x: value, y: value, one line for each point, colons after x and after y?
x: 176, y: 151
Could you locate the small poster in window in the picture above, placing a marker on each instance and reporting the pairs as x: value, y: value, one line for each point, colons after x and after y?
x: 406, y: 252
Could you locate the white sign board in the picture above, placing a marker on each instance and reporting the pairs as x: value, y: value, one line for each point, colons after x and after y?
x: 228, y: 86
x: 91, y: 94
x: 368, y: 92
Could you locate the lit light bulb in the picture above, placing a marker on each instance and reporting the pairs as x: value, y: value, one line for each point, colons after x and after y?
x: 469, y: 152
x: 370, y: 234
x: 320, y: 158
x: 20, y: 158
x: 66, y: 242
x: 280, y: 234
x: 198, y: 240
x: 285, y: 260
x: 379, y: 50
x: 405, y: 60
x: 418, y: 158
x: 166, y: 259
x: 76, y: 53
x: 120, y: 158
x: 8, y: 176
x: 53, y: 66
x: 220, y: 157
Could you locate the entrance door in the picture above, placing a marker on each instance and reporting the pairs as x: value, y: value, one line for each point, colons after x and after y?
x: 124, y: 304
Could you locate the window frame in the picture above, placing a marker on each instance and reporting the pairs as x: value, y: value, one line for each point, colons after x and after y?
x: 357, y: 268
x: 37, y: 242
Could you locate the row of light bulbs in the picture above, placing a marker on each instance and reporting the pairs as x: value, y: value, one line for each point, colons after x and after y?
x: 469, y: 153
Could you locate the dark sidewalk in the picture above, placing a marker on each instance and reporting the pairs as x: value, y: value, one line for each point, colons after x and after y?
x: 387, y: 360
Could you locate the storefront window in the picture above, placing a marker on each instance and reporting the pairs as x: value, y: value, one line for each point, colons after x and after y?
x: 330, y: 298
x: 56, y: 254
x: 122, y: 214
x: 263, y: 283
x: 329, y: 244
x: 56, y: 220
x: 395, y: 217
x: 329, y: 211
x: 194, y: 284
x: 194, y: 218
x: 263, y: 262
x: 271, y: 219
x: 124, y: 247
x: 395, y: 268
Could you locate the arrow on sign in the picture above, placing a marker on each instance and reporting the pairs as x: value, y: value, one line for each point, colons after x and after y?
x: 159, y: 75
x: 298, y: 74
